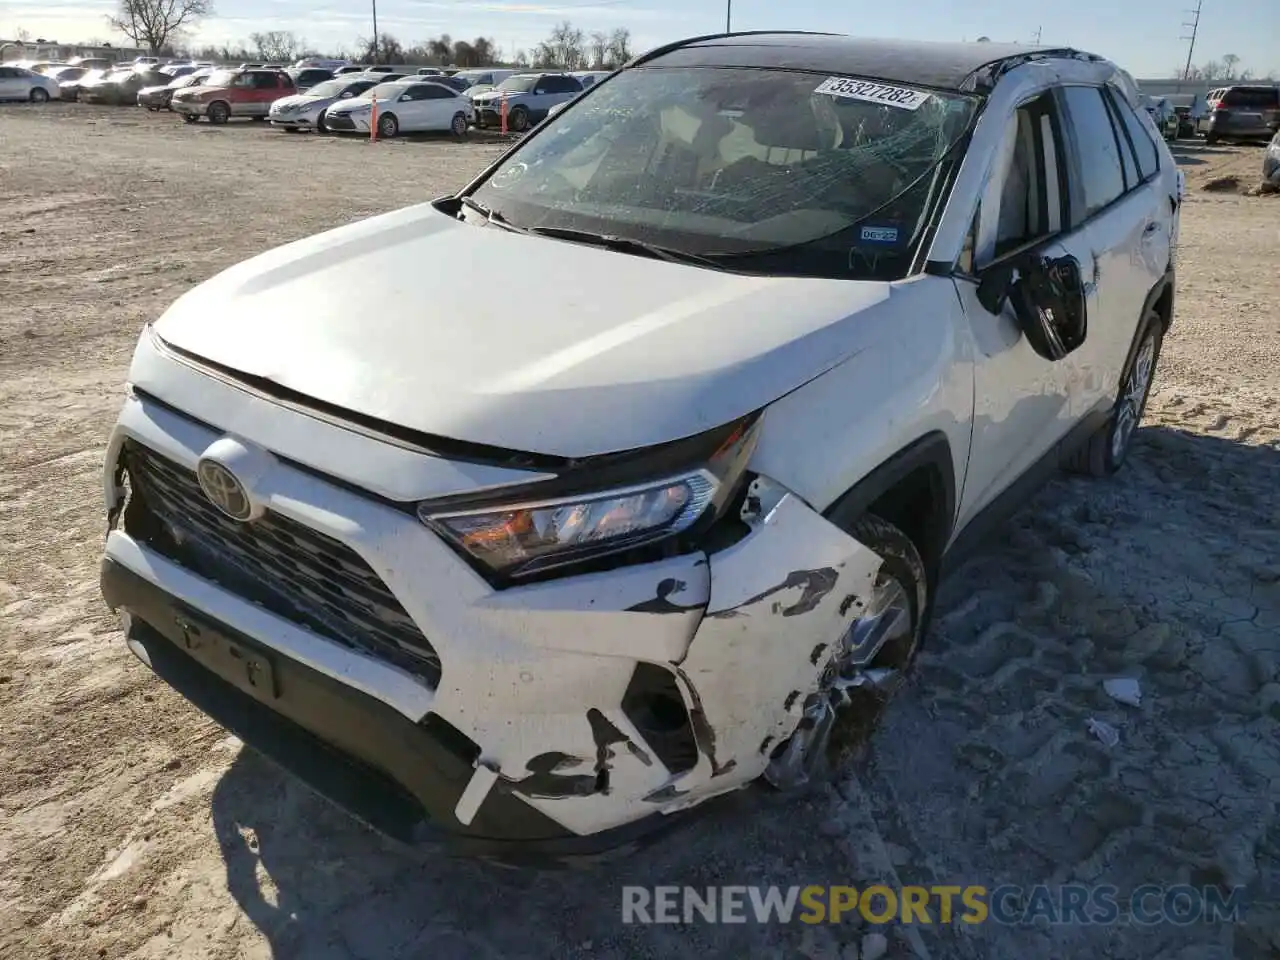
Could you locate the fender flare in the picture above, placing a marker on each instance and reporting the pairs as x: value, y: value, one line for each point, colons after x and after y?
x: 931, y: 450
x: 1165, y: 283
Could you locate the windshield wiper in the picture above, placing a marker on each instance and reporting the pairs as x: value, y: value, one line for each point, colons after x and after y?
x: 491, y: 216
x: 625, y: 245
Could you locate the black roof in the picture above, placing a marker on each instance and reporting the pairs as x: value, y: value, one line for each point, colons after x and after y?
x: 943, y: 66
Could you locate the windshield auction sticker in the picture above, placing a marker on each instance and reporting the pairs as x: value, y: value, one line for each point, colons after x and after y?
x: 881, y: 93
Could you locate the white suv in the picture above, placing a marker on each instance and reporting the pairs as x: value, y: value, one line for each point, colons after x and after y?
x: 798, y: 318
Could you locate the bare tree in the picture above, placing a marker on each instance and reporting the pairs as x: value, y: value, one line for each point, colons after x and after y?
x: 277, y: 45
x: 153, y: 23
x: 441, y: 48
x: 484, y: 48
x: 521, y: 60
x: 22, y: 35
x: 619, y: 47
x: 387, y: 50
x: 562, y: 50
x: 599, y: 48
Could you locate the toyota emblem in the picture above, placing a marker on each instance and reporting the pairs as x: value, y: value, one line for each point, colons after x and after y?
x: 223, y: 490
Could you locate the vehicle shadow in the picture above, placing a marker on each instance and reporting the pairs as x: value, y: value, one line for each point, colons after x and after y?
x: 318, y: 885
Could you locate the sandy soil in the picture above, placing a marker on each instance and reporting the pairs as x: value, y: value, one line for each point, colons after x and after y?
x: 132, y: 827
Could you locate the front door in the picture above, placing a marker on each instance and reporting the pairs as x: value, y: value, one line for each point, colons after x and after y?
x: 1023, y: 404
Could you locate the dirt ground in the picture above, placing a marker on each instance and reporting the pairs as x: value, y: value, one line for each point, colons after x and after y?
x: 130, y: 826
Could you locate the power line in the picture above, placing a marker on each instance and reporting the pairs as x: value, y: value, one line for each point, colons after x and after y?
x: 1194, y: 25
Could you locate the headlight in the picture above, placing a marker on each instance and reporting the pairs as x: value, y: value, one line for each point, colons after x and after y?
x: 520, y: 538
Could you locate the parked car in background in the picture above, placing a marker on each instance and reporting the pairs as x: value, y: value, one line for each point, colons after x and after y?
x: 66, y: 74
x: 17, y: 83
x: 251, y: 66
x: 1242, y: 112
x: 70, y: 89
x: 121, y: 87
x: 484, y: 78
x: 157, y: 98
x: 589, y: 78
x: 410, y: 105
x: 1271, y: 161
x: 308, y: 77
x: 349, y: 68
x: 306, y: 109
x: 232, y: 93
x: 146, y: 61
x: 90, y: 63
x: 528, y: 97
x: 325, y: 64
x: 430, y: 72
x: 47, y: 67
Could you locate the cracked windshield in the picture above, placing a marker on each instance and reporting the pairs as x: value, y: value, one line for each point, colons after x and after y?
x: 769, y: 171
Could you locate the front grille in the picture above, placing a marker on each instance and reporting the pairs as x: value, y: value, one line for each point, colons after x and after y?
x: 275, y: 562
x: 340, y: 123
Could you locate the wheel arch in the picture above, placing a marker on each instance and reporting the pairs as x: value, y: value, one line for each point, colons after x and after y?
x: 914, y: 489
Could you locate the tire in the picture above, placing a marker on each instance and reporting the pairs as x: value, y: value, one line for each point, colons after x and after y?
x: 38, y: 95
x: 388, y: 126
x: 1106, y: 450
x: 1210, y: 139
x: 518, y: 121
x: 189, y: 118
x: 904, y: 577
x: 258, y: 119
x: 459, y: 125
x: 218, y: 112
x: 320, y: 126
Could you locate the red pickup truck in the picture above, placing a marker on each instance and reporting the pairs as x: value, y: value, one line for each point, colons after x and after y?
x: 232, y: 93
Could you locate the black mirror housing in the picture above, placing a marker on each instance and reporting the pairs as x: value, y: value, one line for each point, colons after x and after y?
x: 1049, y: 301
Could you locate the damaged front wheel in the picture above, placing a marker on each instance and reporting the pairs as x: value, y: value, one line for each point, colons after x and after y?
x: 870, y: 662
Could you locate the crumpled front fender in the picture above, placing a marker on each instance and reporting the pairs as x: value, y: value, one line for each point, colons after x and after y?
x: 780, y: 599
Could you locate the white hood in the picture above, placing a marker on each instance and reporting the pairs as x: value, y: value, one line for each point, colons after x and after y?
x: 475, y: 333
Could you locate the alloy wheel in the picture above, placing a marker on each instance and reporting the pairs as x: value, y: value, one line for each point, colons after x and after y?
x: 868, y: 666
x: 1134, y: 399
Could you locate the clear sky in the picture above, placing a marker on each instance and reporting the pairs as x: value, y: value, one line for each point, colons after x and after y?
x: 1141, y: 35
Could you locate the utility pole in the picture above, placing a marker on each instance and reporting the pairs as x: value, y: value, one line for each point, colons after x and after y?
x: 728, y: 16
x: 1194, y: 25
x: 1037, y: 40
x: 375, y: 30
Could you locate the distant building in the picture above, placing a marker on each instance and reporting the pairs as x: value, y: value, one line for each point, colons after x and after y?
x: 52, y: 50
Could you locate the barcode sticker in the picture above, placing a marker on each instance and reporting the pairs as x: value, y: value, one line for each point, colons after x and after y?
x: 882, y: 93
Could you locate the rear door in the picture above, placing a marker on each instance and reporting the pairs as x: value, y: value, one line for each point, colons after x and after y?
x: 440, y: 104
x: 1115, y: 199
x: 412, y: 108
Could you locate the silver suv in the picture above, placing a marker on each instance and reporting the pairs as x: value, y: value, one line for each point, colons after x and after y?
x: 529, y: 98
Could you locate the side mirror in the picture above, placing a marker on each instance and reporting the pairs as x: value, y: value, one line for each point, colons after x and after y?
x: 1048, y: 300
x: 346, y: 95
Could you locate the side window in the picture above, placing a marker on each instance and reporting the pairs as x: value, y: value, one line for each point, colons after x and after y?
x: 436, y: 92
x: 1144, y: 147
x: 1023, y: 202
x: 7, y: 73
x: 243, y: 80
x: 1096, y: 148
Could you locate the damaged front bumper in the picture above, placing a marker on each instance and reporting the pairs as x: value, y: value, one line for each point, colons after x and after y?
x: 565, y: 718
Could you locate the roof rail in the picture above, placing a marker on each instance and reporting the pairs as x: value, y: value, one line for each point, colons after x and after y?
x: 677, y: 44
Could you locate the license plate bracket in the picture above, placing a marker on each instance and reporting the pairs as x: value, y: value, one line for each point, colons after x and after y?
x: 241, y: 664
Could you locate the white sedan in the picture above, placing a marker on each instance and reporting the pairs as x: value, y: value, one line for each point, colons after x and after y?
x: 18, y: 83
x: 308, y: 110
x: 411, y: 105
